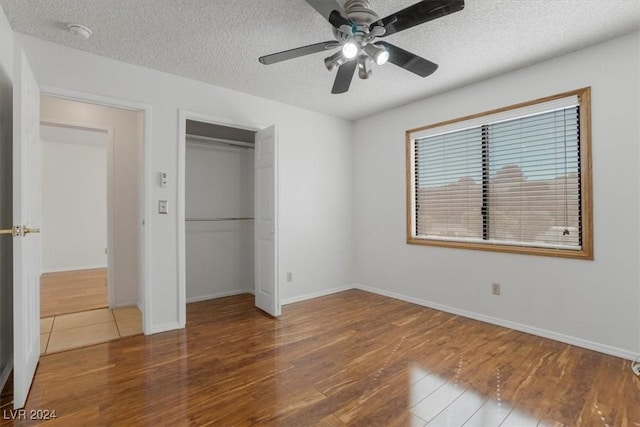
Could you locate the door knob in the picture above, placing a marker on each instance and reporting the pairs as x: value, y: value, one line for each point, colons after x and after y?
x: 26, y: 230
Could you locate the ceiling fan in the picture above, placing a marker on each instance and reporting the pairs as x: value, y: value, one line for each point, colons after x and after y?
x: 356, y: 28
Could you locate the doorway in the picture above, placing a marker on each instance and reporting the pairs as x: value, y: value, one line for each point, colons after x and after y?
x: 75, y: 164
x: 90, y: 242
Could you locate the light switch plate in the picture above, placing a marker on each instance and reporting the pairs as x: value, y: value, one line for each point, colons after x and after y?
x: 163, y: 207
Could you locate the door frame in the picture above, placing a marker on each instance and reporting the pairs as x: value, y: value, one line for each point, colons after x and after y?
x: 67, y: 124
x: 183, y: 116
x: 144, y: 299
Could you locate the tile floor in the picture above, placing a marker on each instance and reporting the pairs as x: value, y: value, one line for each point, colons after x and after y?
x: 68, y: 331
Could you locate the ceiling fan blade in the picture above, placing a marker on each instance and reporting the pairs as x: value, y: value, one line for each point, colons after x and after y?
x: 337, y: 20
x: 326, y: 7
x: 409, y: 61
x: 417, y: 14
x: 297, y: 52
x: 344, y: 77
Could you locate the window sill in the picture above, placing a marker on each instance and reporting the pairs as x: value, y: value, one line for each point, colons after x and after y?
x: 584, y: 254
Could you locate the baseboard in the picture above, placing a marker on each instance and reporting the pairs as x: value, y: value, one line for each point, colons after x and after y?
x: 6, y: 371
x: 567, y: 339
x: 316, y: 294
x: 165, y: 327
x: 130, y: 303
x: 63, y: 269
x: 219, y: 295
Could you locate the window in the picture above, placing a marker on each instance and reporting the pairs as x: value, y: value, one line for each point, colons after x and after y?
x: 516, y: 179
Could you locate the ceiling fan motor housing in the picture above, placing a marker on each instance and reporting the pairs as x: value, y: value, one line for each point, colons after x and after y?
x: 360, y: 17
x: 360, y: 13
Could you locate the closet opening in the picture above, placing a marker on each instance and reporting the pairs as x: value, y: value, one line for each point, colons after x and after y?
x: 228, y: 228
x: 219, y: 211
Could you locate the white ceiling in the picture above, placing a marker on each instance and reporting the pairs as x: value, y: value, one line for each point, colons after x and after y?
x: 219, y: 42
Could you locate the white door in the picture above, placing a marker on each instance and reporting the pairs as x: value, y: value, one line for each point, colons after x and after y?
x: 26, y: 215
x: 266, y: 244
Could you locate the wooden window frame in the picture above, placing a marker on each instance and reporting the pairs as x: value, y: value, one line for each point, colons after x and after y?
x: 586, y: 189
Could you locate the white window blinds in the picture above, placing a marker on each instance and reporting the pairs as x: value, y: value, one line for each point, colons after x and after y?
x: 512, y: 178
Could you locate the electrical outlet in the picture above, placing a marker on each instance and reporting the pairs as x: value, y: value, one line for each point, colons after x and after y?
x: 289, y: 277
x: 495, y: 288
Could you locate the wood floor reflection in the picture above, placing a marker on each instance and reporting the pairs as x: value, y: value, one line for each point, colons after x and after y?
x: 351, y: 358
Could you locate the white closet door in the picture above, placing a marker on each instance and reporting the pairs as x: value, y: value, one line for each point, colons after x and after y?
x: 266, y: 242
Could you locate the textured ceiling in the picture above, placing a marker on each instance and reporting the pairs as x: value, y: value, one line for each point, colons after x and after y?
x: 219, y: 42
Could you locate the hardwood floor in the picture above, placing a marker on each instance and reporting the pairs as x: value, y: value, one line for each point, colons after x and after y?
x: 73, y: 291
x: 351, y: 358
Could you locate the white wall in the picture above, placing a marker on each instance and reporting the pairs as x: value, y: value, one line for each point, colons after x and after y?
x: 6, y: 214
x: 126, y: 133
x: 219, y: 255
x: 314, y: 158
x: 74, y: 198
x: 593, y: 303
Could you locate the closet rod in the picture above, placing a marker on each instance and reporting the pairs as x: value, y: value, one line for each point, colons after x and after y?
x: 209, y: 139
x: 219, y: 219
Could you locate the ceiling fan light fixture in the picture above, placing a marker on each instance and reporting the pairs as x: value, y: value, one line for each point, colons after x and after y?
x: 382, y: 58
x: 378, y: 53
x: 334, y: 61
x: 350, y: 49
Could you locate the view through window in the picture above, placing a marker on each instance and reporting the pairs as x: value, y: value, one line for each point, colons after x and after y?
x: 515, y: 179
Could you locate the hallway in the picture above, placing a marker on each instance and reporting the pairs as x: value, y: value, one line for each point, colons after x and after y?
x: 76, y: 330
x: 75, y: 313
